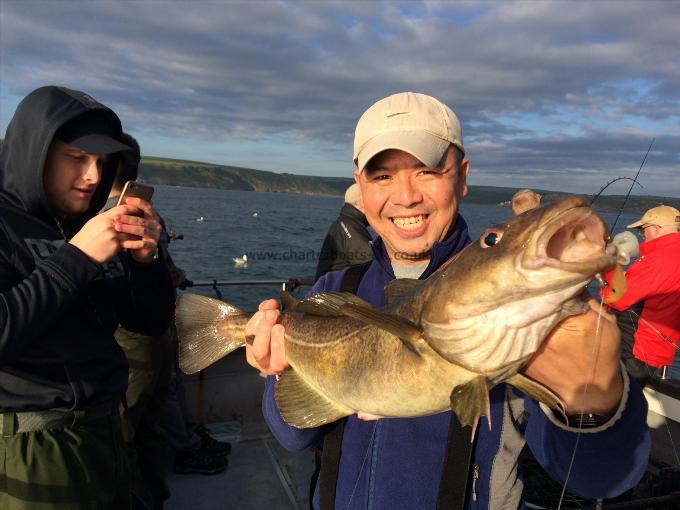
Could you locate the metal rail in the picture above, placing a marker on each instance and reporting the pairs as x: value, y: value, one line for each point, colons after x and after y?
x: 671, y: 500
x: 288, y: 284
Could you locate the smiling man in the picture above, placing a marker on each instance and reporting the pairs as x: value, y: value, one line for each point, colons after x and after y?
x: 62, y: 374
x: 412, y: 170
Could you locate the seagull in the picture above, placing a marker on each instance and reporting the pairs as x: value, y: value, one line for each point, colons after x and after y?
x: 199, y: 219
x: 241, y: 261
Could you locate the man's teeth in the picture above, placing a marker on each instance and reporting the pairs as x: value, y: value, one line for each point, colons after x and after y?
x: 409, y: 223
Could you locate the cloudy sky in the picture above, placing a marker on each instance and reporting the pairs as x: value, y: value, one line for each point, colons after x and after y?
x: 552, y: 95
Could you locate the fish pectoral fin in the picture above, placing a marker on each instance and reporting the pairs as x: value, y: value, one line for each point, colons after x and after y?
x: 470, y: 401
x: 201, y: 340
x: 329, y: 304
x: 401, y: 287
x: 302, y: 406
x: 537, y: 392
x: 288, y: 301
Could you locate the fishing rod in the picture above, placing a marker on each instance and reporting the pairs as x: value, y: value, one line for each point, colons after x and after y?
x: 625, y: 200
x: 597, y: 195
x: 596, y: 344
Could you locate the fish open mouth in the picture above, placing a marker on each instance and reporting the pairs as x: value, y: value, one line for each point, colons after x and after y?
x: 572, y: 240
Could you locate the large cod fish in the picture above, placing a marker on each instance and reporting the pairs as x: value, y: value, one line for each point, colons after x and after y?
x: 439, y: 343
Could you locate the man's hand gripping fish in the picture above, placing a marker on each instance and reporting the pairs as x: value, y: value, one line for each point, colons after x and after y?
x: 439, y: 343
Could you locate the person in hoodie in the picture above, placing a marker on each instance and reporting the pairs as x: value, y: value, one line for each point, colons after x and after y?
x: 411, y: 167
x: 62, y: 374
x: 347, y: 241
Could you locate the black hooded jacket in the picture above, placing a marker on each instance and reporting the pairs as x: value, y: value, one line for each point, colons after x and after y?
x: 58, y: 309
x: 346, y: 243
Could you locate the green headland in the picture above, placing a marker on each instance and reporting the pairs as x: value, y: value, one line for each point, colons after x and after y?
x: 174, y: 172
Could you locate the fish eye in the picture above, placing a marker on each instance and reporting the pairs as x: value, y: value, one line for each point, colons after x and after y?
x: 490, y: 237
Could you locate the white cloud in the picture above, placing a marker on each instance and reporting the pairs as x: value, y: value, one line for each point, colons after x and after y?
x: 605, y: 75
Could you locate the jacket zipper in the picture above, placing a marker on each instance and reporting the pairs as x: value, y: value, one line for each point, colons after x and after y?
x: 475, y: 476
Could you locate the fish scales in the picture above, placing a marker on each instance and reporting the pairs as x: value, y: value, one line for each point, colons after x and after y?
x: 393, y: 379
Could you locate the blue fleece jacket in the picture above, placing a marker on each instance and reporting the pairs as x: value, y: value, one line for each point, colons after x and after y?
x: 397, y: 463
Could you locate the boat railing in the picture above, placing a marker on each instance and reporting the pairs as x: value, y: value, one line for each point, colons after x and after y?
x: 288, y: 285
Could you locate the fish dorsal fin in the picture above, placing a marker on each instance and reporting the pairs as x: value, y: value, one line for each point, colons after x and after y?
x: 288, y: 301
x: 330, y: 304
x: 537, y: 392
x: 303, y: 407
x: 338, y: 304
x: 401, y: 287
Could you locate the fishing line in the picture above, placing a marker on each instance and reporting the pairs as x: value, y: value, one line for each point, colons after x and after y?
x: 363, y: 463
x: 664, y: 337
x: 598, y: 336
x: 594, y: 354
x: 651, y: 374
x: 625, y: 200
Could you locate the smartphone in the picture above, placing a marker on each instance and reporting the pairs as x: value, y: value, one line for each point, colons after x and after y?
x: 137, y: 190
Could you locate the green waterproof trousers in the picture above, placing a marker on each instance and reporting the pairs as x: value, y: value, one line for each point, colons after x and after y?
x: 75, y: 467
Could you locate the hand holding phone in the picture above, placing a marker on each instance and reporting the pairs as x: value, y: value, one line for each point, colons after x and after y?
x: 137, y: 190
x: 142, y: 228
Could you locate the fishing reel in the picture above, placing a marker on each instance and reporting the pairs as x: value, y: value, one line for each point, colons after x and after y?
x: 624, y: 246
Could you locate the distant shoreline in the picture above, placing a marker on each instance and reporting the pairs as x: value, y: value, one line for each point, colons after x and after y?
x: 195, y: 174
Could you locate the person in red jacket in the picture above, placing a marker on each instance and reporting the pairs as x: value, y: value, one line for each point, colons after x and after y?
x: 650, y: 325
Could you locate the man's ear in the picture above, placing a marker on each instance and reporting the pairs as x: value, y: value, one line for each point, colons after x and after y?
x: 462, y: 177
x: 360, y: 199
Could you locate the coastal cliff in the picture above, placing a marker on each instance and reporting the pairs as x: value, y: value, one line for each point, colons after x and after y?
x: 207, y: 175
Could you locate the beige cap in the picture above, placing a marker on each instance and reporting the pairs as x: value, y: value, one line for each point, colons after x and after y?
x: 662, y: 216
x: 415, y: 123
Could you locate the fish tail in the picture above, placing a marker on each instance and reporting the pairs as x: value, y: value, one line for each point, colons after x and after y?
x: 207, y: 330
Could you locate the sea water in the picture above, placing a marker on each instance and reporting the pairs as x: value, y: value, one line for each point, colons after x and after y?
x: 281, y: 233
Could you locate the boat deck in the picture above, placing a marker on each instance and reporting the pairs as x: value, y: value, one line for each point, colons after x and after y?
x: 261, y: 474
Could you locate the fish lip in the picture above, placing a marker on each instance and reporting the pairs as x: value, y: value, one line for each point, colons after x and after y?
x: 574, y: 213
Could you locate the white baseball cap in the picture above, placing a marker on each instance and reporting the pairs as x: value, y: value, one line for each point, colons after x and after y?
x: 415, y: 123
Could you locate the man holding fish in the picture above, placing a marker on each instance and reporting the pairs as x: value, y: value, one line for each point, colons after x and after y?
x: 371, y: 376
